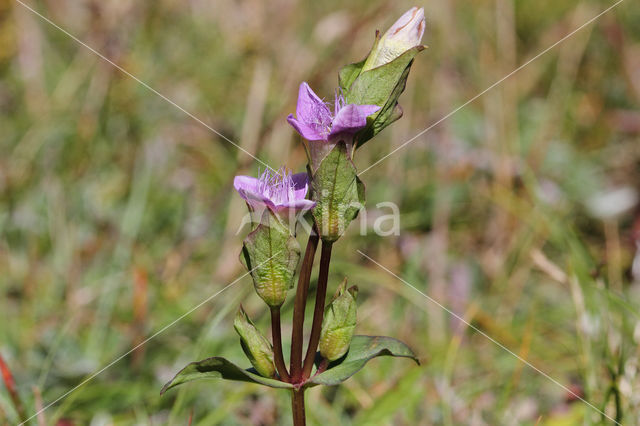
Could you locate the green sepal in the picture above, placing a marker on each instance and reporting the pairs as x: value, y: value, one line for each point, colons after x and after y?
x: 220, y: 368
x: 338, y: 193
x: 271, y: 254
x: 380, y: 86
x: 362, y: 350
x: 255, y: 346
x: 339, y: 323
x: 348, y: 74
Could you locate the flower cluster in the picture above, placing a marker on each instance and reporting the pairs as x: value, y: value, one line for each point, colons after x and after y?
x: 364, y: 104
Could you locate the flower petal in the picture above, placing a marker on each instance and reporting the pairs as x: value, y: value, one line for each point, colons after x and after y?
x: 300, y: 185
x: 409, y: 28
x: 307, y: 132
x: 313, y: 118
x: 404, y: 34
x: 310, y: 108
x: 247, y: 187
x: 245, y: 183
x: 352, y: 118
x: 255, y: 199
x: 302, y: 204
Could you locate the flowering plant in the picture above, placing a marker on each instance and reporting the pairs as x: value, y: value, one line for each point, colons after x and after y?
x: 365, y: 103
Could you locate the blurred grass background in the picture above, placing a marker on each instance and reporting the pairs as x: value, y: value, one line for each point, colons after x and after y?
x: 519, y: 213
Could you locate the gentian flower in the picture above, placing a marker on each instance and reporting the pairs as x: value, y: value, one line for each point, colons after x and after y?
x: 278, y: 191
x: 316, y: 122
x: 270, y: 252
x: 403, y: 35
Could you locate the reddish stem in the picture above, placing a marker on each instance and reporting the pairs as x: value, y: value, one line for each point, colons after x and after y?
x: 299, y: 307
x: 277, y: 344
x: 318, y: 312
x: 297, y: 406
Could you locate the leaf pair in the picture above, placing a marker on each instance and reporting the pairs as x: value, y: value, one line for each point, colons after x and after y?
x: 361, y: 351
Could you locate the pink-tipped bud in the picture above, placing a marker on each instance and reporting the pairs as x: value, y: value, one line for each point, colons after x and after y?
x: 404, y: 34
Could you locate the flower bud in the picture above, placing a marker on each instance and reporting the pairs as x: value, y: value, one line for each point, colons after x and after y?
x: 339, y: 323
x: 404, y: 34
x: 255, y: 346
x: 338, y: 193
x: 385, y: 69
x: 270, y: 253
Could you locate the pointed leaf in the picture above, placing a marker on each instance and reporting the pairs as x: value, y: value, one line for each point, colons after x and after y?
x: 220, y: 368
x: 348, y: 74
x: 362, y: 349
x: 381, y: 86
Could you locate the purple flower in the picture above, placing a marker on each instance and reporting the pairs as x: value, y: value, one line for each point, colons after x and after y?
x: 277, y: 191
x: 315, y: 122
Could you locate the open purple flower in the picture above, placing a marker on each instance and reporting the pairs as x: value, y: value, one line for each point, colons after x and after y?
x: 315, y: 121
x: 277, y: 191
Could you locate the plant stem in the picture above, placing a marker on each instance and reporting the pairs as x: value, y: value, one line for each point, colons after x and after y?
x: 299, y: 307
x: 318, y: 312
x: 277, y: 344
x: 297, y: 407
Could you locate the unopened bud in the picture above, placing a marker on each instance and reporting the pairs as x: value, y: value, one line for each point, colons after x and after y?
x: 257, y: 348
x: 338, y: 192
x: 403, y: 35
x: 339, y: 323
x: 270, y: 253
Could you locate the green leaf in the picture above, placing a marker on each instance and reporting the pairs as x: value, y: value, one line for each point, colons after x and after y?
x: 381, y: 86
x: 338, y: 192
x: 220, y: 368
x: 362, y: 349
x: 348, y: 74
x: 271, y: 253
